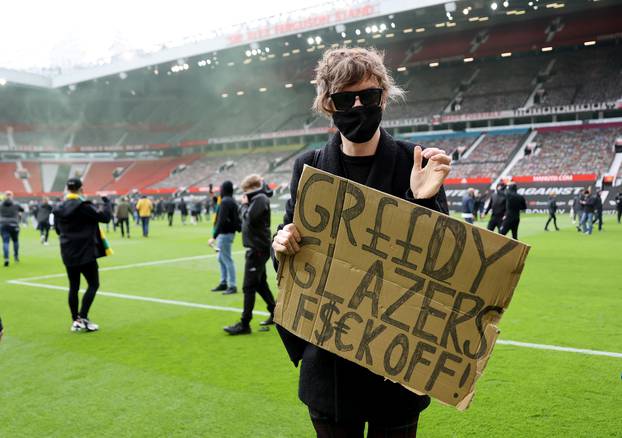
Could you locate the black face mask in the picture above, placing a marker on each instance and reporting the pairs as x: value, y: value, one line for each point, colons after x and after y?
x: 358, y: 124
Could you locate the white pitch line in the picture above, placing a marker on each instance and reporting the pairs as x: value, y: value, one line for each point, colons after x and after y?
x: 237, y: 310
x: 133, y: 265
x: 140, y: 298
x: 559, y: 348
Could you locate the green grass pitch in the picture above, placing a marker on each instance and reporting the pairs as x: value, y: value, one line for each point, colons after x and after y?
x: 163, y: 370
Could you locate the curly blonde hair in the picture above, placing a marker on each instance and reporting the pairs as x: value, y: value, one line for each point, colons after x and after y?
x: 342, y: 67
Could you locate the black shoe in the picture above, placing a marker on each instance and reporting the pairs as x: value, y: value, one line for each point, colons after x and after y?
x: 230, y: 291
x: 238, y: 329
x: 269, y: 321
x: 220, y: 287
x: 545, y: 229
x: 6, y: 263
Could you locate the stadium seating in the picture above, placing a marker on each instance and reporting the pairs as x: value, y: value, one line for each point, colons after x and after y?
x: 570, y: 151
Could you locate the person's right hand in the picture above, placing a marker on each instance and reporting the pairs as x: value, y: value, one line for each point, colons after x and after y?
x: 286, y: 240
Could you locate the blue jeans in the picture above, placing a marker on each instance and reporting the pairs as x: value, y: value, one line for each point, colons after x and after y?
x: 145, y: 221
x: 9, y: 232
x: 587, y: 224
x: 227, y: 268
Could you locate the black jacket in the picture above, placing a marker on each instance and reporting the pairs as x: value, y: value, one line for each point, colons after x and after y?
x: 552, y: 206
x: 43, y: 213
x: 514, y: 203
x: 256, y: 220
x: 76, y: 222
x: 227, y: 218
x: 9, y: 213
x: 589, y: 203
x: 329, y: 384
x: 497, y: 204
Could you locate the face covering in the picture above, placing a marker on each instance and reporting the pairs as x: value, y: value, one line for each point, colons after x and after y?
x: 358, y: 124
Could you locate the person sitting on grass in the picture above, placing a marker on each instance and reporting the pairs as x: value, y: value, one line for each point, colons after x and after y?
x: 256, y: 238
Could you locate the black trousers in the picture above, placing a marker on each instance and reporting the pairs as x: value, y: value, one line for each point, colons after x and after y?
x: 598, y: 217
x: 619, y: 214
x: 510, y: 224
x: 255, y: 280
x: 44, y: 230
x: 170, y: 219
x: 124, y: 224
x: 551, y: 218
x: 495, y: 222
x: 326, y: 427
x: 91, y: 274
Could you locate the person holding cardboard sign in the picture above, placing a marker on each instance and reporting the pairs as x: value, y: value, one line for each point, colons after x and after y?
x: 353, y: 88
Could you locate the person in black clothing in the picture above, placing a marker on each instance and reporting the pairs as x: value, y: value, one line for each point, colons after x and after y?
x: 353, y: 87
x: 619, y: 205
x: 1, y: 329
x: 552, y: 211
x: 497, y: 206
x: 256, y: 238
x: 76, y: 221
x: 10, y: 213
x: 588, y: 204
x: 183, y: 208
x: 170, y: 211
x: 598, y: 210
x: 226, y: 225
x: 43, y: 220
x: 514, y: 203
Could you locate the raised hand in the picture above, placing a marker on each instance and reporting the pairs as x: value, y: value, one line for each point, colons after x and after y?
x: 425, y: 182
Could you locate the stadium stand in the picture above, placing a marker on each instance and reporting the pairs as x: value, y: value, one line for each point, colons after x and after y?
x: 570, y: 151
x: 8, y: 180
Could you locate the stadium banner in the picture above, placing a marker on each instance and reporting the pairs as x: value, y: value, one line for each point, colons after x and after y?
x: 409, y: 293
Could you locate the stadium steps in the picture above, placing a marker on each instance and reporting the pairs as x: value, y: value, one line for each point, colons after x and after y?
x: 517, y: 154
x: 616, y: 164
x: 34, y: 176
x: 25, y: 182
x: 62, y: 175
x: 48, y: 174
x: 473, y: 146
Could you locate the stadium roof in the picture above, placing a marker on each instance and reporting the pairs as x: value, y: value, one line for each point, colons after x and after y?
x: 54, y: 44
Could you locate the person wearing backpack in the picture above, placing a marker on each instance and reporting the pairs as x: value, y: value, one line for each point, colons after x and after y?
x: 226, y: 225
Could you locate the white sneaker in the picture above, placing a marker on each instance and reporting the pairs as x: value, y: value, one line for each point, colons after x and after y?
x: 90, y: 326
x: 78, y: 325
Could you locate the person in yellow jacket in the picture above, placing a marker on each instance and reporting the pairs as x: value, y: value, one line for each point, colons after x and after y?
x: 145, y: 208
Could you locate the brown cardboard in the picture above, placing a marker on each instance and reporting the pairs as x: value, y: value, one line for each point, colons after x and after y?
x: 419, y: 310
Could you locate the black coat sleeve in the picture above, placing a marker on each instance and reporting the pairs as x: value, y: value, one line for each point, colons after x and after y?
x: 89, y: 210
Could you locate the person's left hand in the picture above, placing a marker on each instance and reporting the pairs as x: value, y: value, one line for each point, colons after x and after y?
x: 425, y: 182
x: 244, y: 199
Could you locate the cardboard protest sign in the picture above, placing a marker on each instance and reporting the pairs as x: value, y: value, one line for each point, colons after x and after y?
x: 409, y: 293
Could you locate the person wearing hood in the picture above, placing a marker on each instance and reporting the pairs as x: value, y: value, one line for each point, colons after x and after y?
x: 76, y: 221
x: 353, y: 88
x: 9, y: 226
x: 514, y: 204
x: 43, y: 220
x: 497, y: 207
x: 226, y: 225
x: 256, y: 238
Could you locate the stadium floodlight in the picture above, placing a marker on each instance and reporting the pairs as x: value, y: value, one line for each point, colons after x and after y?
x: 546, y: 49
x: 156, y: 72
x: 224, y: 95
x: 401, y: 69
x: 289, y: 85
x: 530, y: 3
x: 123, y: 75
x: 374, y: 29
x: 419, y: 30
x: 240, y: 93
x: 254, y: 52
x: 383, y: 27
x: 202, y: 63
x: 434, y: 64
x: 267, y: 49
x: 310, y: 41
x: 392, y: 25
x: 209, y: 61
x: 506, y: 4
x: 318, y: 39
x: 389, y: 35
x: 3, y: 82
x: 313, y: 82
x: 368, y: 29
x: 466, y: 11
x: 248, y: 53
x: 506, y: 54
x: 408, y: 30
x: 295, y: 51
x: 494, y: 6
x: 263, y: 89
x: 343, y: 34
x: 589, y: 43
x: 357, y: 31
x: 231, y: 64
x: 468, y: 59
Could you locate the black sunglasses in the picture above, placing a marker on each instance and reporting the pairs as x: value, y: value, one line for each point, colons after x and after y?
x: 345, y: 100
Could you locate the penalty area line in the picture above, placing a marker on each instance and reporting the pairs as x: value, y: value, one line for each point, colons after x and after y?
x: 238, y: 310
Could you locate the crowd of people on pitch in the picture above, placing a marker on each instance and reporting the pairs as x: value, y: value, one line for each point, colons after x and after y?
x: 505, y: 205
